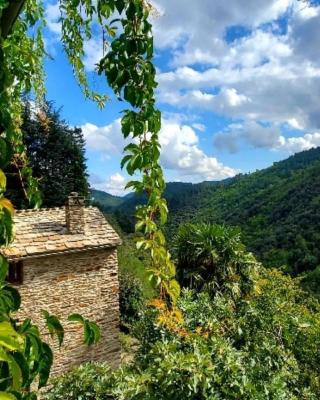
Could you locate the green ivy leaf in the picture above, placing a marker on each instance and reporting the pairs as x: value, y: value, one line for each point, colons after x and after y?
x: 91, y: 329
x: 24, y: 367
x: 120, y: 5
x: 4, y: 267
x: 14, y: 369
x: 45, y: 364
x: 54, y: 326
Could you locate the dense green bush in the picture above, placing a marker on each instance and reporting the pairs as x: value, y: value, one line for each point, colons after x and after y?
x: 311, y: 281
x: 212, y: 258
x: 131, y: 297
x: 88, y: 382
x: 255, y: 337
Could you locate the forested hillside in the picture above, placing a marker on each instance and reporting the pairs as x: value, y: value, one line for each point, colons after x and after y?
x: 106, y: 201
x: 276, y: 208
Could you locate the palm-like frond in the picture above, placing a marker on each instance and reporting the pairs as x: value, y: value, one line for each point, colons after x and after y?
x: 211, y: 257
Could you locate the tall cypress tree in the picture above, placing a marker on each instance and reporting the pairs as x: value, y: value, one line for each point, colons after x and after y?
x: 56, y: 154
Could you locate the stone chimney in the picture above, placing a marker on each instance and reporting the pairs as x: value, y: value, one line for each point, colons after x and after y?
x: 75, y: 213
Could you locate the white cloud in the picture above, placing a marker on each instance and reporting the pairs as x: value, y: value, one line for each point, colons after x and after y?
x: 259, y: 136
x: 227, y: 101
x: 52, y: 14
x: 268, y: 74
x: 199, y: 127
x: 93, y: 53
x: 114, y: 184
x: 180, y: 152
x: 305, y: 142
x: 265, y: 75
x: 200, y: 26
x: 107, y: 139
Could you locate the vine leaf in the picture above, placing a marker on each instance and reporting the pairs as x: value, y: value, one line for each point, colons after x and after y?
x: 3, y: 180
x: 5, y: 203
x: 54, y: 326
x: 9, y: 338
x: 91, y: 330
x: 46, y: 361
x: 7, y: 396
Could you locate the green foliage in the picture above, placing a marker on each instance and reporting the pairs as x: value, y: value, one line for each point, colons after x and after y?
x: 311, y: 281
x: 129, y: 71
x: 131, y: 297
x: 89, y: 382
x: 91, y: 331
x: 105, y: 201
x: 54, y: 326
x: 211, y: 257
x: 259, y: 345
x: 131, y: 261
x: 277, y: 210
x: 56, y: 158
x: 25, y: 356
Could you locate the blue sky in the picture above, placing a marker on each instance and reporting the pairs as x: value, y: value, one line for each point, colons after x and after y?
x: 239, y: 88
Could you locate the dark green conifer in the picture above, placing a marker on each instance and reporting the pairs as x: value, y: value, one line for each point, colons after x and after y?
x: 56, y: 154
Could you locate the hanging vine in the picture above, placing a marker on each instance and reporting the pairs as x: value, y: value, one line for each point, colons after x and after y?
x: 128, y: 68
x: 130, y: 72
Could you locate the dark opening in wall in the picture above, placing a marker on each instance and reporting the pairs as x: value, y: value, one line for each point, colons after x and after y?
x: 15, y: 275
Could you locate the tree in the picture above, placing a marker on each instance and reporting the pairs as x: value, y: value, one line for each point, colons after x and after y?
x: 56, y: 157
x: 210, y: 257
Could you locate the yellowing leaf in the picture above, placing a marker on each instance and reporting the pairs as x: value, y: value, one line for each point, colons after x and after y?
x: 3, y: 180
x: 5, y: 203
x: 174, y: 290
x: 9, y: 338
x: 7, y: 396
x: 157, y: 303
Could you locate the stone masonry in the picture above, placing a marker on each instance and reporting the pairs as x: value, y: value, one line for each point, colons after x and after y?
x: 70, y: 265
x: 81, y: 282
x: 75, y: 222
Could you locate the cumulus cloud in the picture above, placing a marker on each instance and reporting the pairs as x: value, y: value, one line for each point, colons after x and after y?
x: 181, y: 153
x: 305, y: 142
x: 107, y: 139
x: 202, y: 40
x: 271, y: 74
x: 180, y: 150
x: 93, y: 49
x: 52, y: 14
x: 267, y: 74
x: 114, y: 184
x: 259, y: 136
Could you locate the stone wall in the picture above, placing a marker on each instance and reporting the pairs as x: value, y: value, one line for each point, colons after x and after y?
x: 85, y: 283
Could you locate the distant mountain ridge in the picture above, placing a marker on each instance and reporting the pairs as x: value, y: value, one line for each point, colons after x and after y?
x: 277, y: 209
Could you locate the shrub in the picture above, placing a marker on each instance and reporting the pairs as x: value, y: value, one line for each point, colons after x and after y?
x: 87, y: 382
x: 260, y: 342
x: 131, y: 297
x: 311, y: 281
x: 212, y: 258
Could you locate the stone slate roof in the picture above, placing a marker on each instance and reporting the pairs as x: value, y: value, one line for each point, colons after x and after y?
x: 43, y: 232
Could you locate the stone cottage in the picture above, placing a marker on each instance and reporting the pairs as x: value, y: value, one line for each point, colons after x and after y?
x: 64, y: 260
